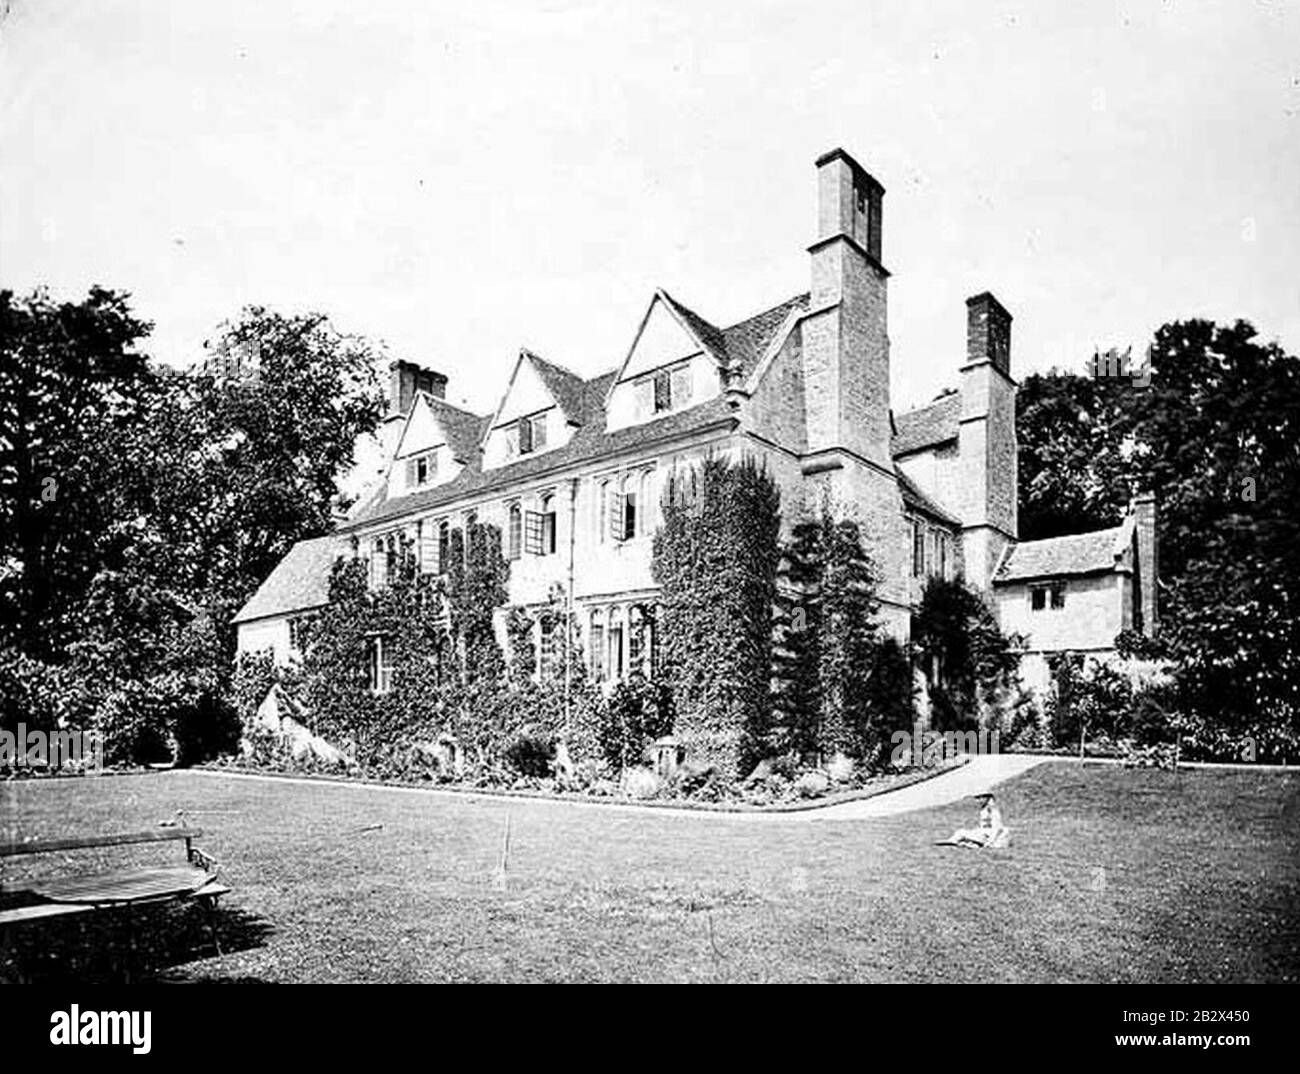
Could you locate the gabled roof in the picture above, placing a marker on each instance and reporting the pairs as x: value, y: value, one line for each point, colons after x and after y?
x: 740, y: 348
x: 300, y: 581
x: 918, y: 500
x: 1078, y: 553
x: 708, y: 334
x: 748, y: 340
x: 565, y: 386
x: 590, y: 441
x: 462, y: 429
x: 927, y: 426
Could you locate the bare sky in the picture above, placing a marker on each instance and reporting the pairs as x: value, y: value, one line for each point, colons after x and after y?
x: 460, y: 180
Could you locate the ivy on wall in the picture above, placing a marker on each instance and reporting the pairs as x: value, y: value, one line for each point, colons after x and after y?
x: 715, y: 560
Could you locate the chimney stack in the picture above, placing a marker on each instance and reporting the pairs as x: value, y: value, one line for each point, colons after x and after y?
x: 988, y: 332
x: 409, y: 378
x: 1147, y: 573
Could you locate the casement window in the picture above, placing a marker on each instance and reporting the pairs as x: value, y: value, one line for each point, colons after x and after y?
x: 616, y: 667
x: 662, y: 391
x: 1051, y: 593
x: 539, y: 529
x: 644, y: 398
x: 918, y: 550
x: 421, y: 469
x: 648, y: 512
x: 298, y: 632
x: 532, y: 434
x: 514, y: 525
x: 598, y: 664
x: 381, y: 665
x: 943, y: 555
x: 622, y: 511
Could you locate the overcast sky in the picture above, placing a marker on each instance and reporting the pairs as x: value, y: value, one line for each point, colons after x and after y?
x: 460, y: 180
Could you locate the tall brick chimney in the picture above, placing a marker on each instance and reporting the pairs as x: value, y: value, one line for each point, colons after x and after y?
x: 846, y: 347
x: 986, y: 439
x: 1148, y: 562
x: 407, y: 378
x: 845, y: 355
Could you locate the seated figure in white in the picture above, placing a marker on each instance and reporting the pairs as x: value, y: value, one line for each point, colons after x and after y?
x: 990, y: 831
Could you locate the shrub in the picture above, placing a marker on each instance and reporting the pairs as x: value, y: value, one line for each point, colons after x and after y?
x: 531, y: 755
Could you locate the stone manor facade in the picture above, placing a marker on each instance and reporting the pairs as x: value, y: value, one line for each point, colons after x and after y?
x: 571, y: 470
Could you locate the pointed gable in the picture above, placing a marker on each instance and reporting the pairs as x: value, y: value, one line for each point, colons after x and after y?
x: 541, y: 406
x: 666, y: 336
x: 436, y: 442
x: 422, y: 432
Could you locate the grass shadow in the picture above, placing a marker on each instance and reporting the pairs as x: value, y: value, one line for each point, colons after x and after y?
x: 130, y: 945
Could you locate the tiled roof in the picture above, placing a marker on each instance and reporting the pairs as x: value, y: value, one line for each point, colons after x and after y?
x: 464, y: 430
x: 710, y: 335
x: 565, y: 386
x: 1078, y: 553
x: 300, y: 581
x: 739, y: 348
x: 914, y: 498
x: 589, y: 441
x: 747, y: 341
x: 927, y: 426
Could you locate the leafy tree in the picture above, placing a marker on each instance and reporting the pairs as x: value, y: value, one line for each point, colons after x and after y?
x: 72, y: 385
x: 1215, y: 433
x: 971, y: 667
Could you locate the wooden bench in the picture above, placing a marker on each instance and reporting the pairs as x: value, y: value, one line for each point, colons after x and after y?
x: 83, y: 893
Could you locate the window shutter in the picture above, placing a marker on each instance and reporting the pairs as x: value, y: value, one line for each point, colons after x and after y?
x: 538, y: 426
x: 410, y: 473
x: 663, y: 392
x: 681, y: 386
x: 645, y: 397
x: 548, y: 533
x: 629, y: 515
x: 616, y: 515
x: 533, y: 533
x: 525, y: 436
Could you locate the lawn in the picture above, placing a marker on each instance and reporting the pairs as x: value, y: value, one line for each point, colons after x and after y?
x: 1113, y: 875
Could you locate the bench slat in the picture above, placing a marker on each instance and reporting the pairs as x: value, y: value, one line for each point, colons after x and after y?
x: 130, y: 885
x: 153, y: 835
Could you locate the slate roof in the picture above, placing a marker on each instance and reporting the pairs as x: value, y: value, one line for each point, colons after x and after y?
x: 747, y: 341
x: 300, y: 581
x: 565, y: 386
x: 464, y: 430
x: 918, y: 500
x: 927, y: 426
x: 739, y: 348
x: 1078, y: 553
x: 589, y: 441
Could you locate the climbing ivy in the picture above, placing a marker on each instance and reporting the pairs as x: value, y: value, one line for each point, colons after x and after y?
x: 715, y: 560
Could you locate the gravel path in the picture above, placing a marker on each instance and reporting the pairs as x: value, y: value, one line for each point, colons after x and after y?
x: 980, y: 774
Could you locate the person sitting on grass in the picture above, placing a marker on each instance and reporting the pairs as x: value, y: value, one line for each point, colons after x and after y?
x: 990, y: 831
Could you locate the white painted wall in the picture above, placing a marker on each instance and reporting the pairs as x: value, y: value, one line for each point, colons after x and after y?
x: 1092, y: 616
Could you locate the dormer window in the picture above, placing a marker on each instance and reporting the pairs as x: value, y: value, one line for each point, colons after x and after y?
x: 664, y: 390
x: 421, y: 469
x: 532, y: 434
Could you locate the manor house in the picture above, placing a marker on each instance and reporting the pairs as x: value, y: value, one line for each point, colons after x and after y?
x: 571, y: 469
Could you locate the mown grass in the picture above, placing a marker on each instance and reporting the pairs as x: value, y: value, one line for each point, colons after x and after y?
x: 1113, y: 875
